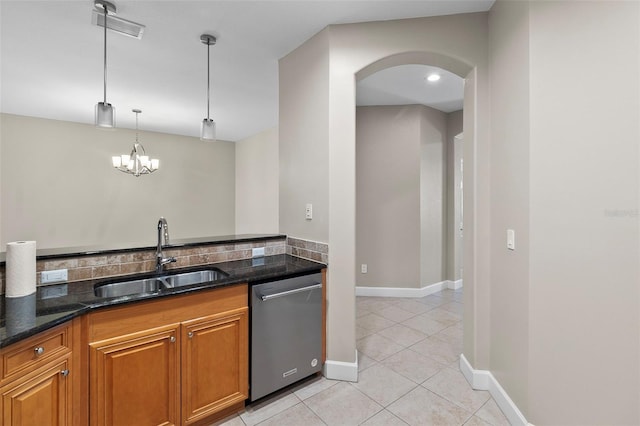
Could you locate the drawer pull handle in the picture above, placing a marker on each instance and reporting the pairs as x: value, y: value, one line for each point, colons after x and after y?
x: 39, y: 350
x: 172, y: 339
x: 64, y: 373
x: 190, y: 335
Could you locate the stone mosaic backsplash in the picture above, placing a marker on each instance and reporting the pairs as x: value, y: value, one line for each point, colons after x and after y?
x: 112, y: 265
x: 307, y: 249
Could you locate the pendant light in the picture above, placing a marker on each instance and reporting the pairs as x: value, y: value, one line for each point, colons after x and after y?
x: 137, y: 163
x: 208, y: 131
x: 105, y: 112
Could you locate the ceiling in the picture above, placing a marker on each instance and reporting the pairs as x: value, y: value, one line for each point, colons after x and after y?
x: 52, y: 60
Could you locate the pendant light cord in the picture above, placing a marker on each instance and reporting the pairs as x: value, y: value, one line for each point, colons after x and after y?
x: 105, y: 54
x: 208, y: 78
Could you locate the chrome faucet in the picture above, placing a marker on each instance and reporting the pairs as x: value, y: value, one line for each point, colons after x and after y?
x: 160, y: 259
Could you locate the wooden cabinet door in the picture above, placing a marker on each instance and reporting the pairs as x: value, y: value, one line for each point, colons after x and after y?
x: 41, y: 400
x: 135, y: 379
x: 214, y: 363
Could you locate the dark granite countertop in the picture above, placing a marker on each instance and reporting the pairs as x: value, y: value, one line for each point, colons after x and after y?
x: 64, y: 252
x: 52, y: 305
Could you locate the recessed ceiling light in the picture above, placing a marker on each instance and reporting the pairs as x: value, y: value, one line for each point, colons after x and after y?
x: 433, y: 77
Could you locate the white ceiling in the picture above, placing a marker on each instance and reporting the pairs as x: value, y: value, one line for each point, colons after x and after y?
x: 407, y: 84
x: 51, y: 59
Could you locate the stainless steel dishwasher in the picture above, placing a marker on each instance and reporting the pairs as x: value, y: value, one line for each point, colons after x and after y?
x: 286, y: 332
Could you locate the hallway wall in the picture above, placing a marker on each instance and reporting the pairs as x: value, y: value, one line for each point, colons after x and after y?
x: 400, y: 196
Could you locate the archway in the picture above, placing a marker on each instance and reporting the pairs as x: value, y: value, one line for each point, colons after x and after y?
x: 342, y: 205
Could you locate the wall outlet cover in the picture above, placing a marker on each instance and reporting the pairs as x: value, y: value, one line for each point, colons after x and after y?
x: 257, y: 252
x: 55, y: 276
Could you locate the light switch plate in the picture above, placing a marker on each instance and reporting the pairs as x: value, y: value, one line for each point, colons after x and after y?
x: 511, y: 239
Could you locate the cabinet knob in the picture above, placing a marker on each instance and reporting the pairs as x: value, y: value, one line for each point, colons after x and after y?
x: 172, y: 339
x: 64, y: 373
x: 190, y: 334
x: 39, y: 350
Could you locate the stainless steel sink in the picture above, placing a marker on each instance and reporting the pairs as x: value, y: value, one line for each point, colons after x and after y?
x: 196, y: 277
x: 125, y: 288
x: 155, y: 284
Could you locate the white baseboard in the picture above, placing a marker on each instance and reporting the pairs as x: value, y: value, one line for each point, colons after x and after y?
x: 408, y: 292
x: 454, y: 285
x: 339, y: 370
x: 484, y: 380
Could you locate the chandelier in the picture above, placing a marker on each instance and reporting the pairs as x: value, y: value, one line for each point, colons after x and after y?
x: 137, y: 163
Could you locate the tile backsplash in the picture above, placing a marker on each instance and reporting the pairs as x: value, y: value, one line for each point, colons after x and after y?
x: 307, y: 249
x: 86, y: 267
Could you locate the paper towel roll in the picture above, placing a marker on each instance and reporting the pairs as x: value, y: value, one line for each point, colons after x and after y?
x: 21, y: 268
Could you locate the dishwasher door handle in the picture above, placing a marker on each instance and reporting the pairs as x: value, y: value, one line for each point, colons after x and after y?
x: 266, y: 297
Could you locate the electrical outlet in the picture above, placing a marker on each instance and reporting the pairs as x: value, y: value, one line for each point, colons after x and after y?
x: 257, y: 252
x: 308, y: 212
x: 55, y: 276
x: 363, y: 268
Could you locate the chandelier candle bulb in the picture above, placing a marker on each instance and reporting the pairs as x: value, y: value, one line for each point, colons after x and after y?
x: 117, y: 161
x: 155, y: 163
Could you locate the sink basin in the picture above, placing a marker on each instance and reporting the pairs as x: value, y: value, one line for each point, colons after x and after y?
x: 196, y: 277
x: 124, y: 288
x: 152, y: 285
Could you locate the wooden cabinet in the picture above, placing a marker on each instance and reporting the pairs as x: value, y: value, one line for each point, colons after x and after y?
x: 179, y: 360
x: 135, y: 379
x: 214, y: 363
x: 39, y: 385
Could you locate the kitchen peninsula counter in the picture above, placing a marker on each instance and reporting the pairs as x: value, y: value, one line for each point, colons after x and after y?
x: 55, y: 304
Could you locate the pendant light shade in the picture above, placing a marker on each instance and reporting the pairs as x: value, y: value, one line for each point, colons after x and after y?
x: 105, y: 115
x: 208, y: 130
x: 105, y: 112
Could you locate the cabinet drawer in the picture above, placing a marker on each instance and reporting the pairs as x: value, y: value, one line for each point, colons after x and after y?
x: 41, y: 348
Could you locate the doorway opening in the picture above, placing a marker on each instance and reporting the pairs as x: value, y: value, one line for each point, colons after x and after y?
x: 408, y: 181
x: 408, y: 211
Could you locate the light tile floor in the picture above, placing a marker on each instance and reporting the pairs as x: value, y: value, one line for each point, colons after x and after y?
x: 408, y: 354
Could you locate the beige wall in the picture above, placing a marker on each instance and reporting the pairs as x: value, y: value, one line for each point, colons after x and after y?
x: 454, y: 147
x: 388, y: 184
x: 303, y: 150
x: 401, y: 185
x: 565, y: 175
x: 257, y: 184
x: 59, y: 188
x: 433, y: 219
x: 328, y: 65
x: 509, y: 173
x: 584, y: 295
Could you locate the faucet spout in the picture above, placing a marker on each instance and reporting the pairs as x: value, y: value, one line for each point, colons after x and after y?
x: 160, y: 259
